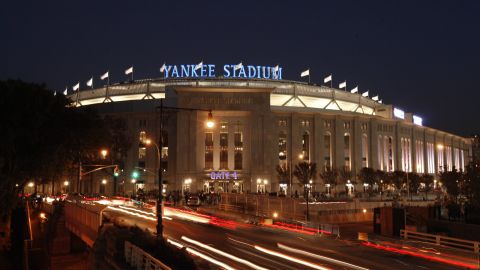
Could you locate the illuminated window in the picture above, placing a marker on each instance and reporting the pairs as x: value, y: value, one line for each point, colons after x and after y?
x: 431, y: 157
x: 406, y: 150
x: 142, y: 137
x: 282, y: 149
x: 456, y: 152
x: 440, y: 160
x: 388, y: 154
x: 419, y: 157
x: 364, y: 150
x: 238, y: 143
x: 142, y: 152
x: 380, y: 153
x: 327, y: 142
x: 306, y: 146
x: 223, y: 151
x: 209, y: 151
x: 347, y: 151
x: 448, y: 153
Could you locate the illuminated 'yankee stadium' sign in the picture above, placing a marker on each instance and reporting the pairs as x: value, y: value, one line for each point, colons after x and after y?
x: 229, y: 71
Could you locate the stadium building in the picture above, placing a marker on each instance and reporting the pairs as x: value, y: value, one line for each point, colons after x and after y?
x: 262, y: 122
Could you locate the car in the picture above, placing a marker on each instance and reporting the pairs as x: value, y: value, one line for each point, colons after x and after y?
x: 193, y: 201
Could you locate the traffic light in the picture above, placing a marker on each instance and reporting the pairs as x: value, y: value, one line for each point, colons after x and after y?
x: 116, y: 171
x: 135, y: 175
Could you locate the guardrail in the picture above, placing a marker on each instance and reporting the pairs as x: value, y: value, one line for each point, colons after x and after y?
x: 141, y: 260
x: 442, y: 240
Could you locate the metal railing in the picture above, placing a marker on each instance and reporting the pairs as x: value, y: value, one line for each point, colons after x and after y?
x: 442, y: 240
x: 141, y: 260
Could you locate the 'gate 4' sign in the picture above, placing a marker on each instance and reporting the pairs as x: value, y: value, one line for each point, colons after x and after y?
x: 223, y: 175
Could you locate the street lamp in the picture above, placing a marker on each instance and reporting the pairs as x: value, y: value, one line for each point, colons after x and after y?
x: 104, y: 153
x: 209, y: 123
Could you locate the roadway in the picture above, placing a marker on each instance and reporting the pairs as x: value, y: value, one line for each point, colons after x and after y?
x: 238, y: 246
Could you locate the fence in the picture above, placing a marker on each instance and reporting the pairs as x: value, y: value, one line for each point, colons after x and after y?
x: 441, y: 240
x: 141, y: 260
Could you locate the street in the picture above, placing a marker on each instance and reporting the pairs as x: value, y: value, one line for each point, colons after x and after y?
x: 239, y: 246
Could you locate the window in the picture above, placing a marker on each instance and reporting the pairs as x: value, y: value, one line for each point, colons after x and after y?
x: 462, y: 159
x: 305, y: 123
x: 282, y: 123
x: 142, y: 152
x: 223, y: 151
x: 306, y: 146
x: 456, y: 152
x: 347, y: 150
x: 406, y: 154
x: 440, y: 161
x: 142, y: 123
x: 430, y: 158
x: 209, y: 151
x: 364, y: 150
x: 388, y: 154
x: 142, y: 138
x: 327, y: 142
x: 419, y: 157
x: 448, y: 152
x: 380, y: 153
x: 282, y: 149
x: 238, y: 143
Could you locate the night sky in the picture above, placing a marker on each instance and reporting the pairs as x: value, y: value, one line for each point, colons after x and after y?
x: 422, y: 56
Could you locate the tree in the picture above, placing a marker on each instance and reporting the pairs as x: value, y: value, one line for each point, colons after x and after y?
x: 283, y: 174
x: 451, y: 180
x: 345, y: 175
x: 368, y: 176
x: 329, y: 177
x: 413, y: 183
x: 304, y: 172
x: 427, y: 180
x: 397, y: 179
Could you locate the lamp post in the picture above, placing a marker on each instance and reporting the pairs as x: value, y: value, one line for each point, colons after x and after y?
x: 210, y: 124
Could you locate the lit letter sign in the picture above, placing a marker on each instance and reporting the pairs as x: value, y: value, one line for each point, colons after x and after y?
x: 208, y: 71
x: 398, y: 113
x: 417, y: 120
x: 223, y: 175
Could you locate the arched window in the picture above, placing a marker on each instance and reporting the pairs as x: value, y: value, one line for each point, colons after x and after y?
x: 306, y: 146
x: 347, y: 150
x: 282, y: 149
x: 380, y: 153
x: 364, y: 150
x: 327, y: 150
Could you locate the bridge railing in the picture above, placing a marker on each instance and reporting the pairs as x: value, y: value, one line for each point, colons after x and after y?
x: 442, y: 240
x: 141, y: 260
x: 84, y: 220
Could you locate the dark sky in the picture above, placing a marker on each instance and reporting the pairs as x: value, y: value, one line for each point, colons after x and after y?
x: 423, y: 56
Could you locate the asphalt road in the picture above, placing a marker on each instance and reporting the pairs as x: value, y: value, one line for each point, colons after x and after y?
x: 255, y: 247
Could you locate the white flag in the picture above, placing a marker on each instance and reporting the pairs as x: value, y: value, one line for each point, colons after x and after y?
x: 343, y: 85
x: 239, y: 66
x: 327, y: 79
x: 275, y: 69
x: 104, y: 76
x: 375, y: 98
x: 305, y: 73
x: 365, y: 94
x: 162, y: 68
x: 380, y: 101
x: 65, y: 92
x: 76, y: 86
x: 55, y: 93
x: 90, y: 82
x: 199, y: 65
x: 129, y: 70
x: 354, y: 90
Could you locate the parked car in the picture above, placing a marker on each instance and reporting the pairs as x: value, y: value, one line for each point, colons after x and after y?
x: 193, y: 201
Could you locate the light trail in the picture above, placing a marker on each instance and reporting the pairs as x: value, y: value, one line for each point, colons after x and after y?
x: 420, y: 255
x: 201, y: 255
x: 210, y: 259
x: 320, y: 257
x: 136, y: 214
x: 290, y: 258
x: 138, y: 210
x: 232, y: 257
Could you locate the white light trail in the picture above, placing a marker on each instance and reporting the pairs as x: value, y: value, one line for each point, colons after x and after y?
x: 175, y: 243
x: 136, y: 214
x: 316, y: 256
x: 137, y: 210
x: 210, y: 259
x: 237, y: 259
x: 290, y: 258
